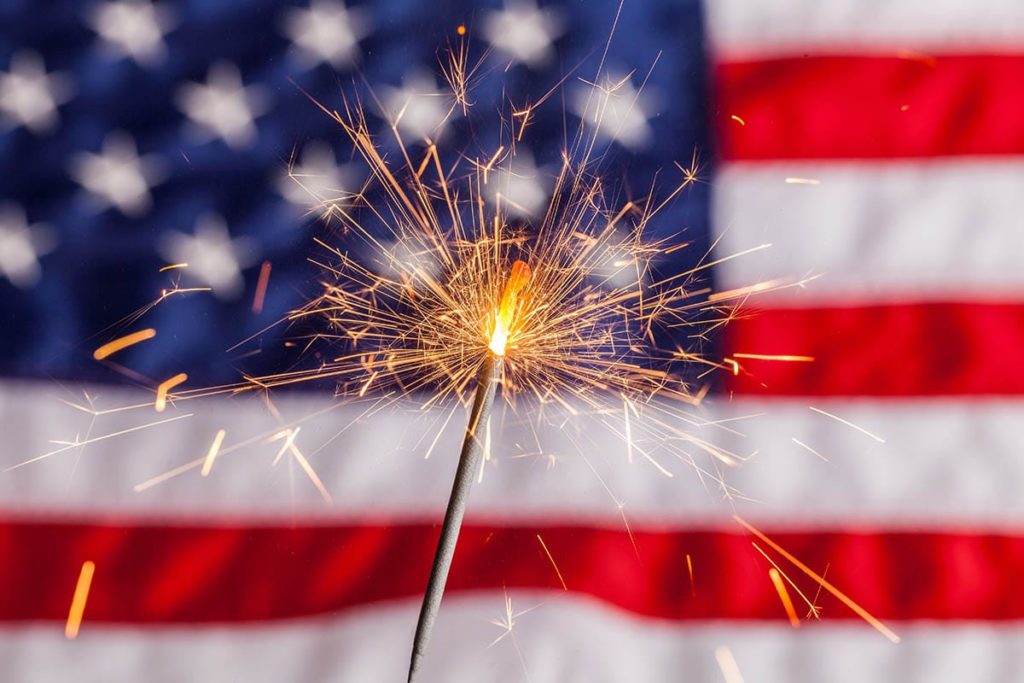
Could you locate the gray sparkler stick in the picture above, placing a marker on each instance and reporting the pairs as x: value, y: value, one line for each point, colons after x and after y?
x: 469, y: 464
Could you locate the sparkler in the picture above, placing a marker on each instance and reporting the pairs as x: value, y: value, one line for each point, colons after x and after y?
x: 440, y: 293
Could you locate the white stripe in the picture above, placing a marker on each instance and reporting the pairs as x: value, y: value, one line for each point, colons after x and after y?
x: 943, y: 461
x: 744, y: 27
x: 562, y: 639
x: 875, y: 231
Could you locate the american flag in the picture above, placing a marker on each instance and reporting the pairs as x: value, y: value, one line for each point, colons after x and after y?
x: 875, y: 146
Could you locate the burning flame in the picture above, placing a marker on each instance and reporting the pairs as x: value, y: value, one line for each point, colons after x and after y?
x: 506, y: 311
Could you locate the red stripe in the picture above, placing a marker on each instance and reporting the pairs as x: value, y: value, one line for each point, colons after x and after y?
x: 852, y: 107
x: 178, y: 574
x: 925, y: 349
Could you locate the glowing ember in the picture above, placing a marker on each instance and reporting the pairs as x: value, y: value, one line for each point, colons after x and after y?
x: 79, y: 599
x: 110, y: 348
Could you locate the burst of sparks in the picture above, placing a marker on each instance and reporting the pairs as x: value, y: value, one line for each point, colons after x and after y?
x: 416, y: 294
x: 112, y: 347
x: 79, y: 599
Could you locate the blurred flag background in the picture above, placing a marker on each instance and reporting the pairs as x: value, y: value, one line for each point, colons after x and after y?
x: 876, y: 144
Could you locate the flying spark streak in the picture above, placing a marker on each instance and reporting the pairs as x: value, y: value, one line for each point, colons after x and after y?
x: 552, y: 560
x: 800, y: 443
x: 738, y: 120
x: 727, y: 664
x: 803, y: 181
x: 787, y: 603
x: 813, y: 611
x: 211, y: 455
x: 161, y: 391
x: 836, y: 593
x: 786, y: 358
x: 261, y: 288
x: 79, y: 599
x: 85, y: 442
x: 689, y: 568
x: 848, y: 424
x: 112, y: 347
x: 173, y: 266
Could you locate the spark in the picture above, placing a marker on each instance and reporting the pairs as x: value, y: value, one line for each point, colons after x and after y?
x: 781, y: 357
x: 261, y: 288
x: 738, y: 120
x: 79, y: 599
x: 848, y: 424
x: 800, y: 443
x: 173, y: 266
x: 689, y: 568
x: 629, y: 430
x: 552, y: 560
x: 161, y: 391
x: 112, y: 347
x: 838, y: 594
x: 85, y: 442
x: 727, y: 663
x: 787, y: 603
x: 803, y: 181
x: 211, y: 455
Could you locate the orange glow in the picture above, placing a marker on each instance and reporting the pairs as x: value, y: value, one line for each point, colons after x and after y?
x: 787, y: 603
x: 79, y: 599
x: 505, y: 315
x: 110, y: 348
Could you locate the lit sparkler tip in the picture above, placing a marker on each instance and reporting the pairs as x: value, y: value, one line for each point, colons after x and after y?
x: 504, y: 316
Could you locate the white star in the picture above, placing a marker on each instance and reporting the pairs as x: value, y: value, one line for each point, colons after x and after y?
x: 520, y: 187
x: 118, y: 176
x: 326, y: 32
x: 223, y: 107
x: 618, y: 111
x: 21, y: 245
x: 133, y: 28
x: 523, y: 32
x: 29, y: 96
x: 214, y: 259
x: 318, y: 179
x: 418, y: 107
